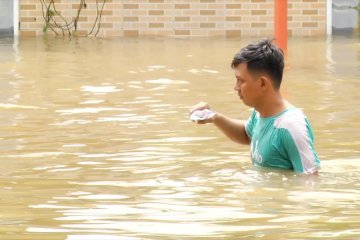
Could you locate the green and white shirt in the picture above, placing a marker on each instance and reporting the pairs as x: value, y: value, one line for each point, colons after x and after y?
x: 283, y: 141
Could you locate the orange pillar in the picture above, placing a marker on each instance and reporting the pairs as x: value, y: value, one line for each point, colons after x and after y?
x: 281, y: 24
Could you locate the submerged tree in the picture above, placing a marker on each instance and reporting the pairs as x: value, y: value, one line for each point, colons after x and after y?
x: 56, y: 22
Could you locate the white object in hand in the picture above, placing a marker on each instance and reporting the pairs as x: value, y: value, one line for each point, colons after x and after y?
x: 201, y: 115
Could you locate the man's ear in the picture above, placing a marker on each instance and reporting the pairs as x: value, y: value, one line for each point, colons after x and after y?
x: 265, y: 82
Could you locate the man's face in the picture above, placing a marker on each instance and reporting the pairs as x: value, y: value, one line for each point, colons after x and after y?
x: 247, y: 86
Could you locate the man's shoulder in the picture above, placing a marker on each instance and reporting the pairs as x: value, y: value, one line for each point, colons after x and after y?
x: 292, y: 118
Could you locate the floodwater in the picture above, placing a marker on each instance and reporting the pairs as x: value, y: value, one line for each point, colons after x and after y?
x: 96, y: 142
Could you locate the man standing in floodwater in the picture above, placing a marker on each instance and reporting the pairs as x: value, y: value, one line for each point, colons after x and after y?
x: 280, y: 134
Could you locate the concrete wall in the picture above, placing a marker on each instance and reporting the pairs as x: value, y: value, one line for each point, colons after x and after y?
x: 345, y: 16
x: 6, y: 18
x: 182, y: 18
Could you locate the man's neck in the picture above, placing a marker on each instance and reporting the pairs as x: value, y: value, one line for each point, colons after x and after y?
x: 272, y: 106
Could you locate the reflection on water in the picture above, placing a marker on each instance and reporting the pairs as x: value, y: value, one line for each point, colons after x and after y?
x: 96, y: 143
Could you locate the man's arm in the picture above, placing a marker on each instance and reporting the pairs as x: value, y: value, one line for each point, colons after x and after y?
x: 298, y: 141
x: 232, y: 128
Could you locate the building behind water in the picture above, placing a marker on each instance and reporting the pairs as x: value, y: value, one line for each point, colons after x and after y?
x: 181, y: 18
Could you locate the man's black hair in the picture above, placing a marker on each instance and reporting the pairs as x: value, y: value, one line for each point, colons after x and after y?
x: 263, y: 57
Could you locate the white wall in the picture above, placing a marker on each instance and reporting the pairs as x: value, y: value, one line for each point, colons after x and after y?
x: 16, y: 17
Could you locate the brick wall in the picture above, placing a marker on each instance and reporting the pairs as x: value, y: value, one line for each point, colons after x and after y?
x: 306, y: 17
x: 172, y: 18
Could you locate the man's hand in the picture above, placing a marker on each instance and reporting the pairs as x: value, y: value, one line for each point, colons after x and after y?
x: 201, y: 113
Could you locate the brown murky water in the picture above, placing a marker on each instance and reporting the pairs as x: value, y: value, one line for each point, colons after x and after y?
x: 96, y: 144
